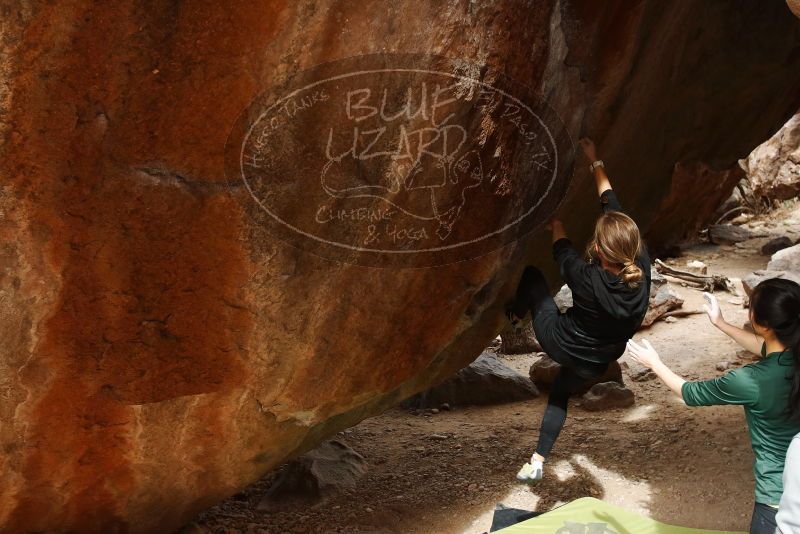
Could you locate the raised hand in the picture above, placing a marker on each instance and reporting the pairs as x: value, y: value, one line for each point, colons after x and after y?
x: 712, y: 309
x: 749, y: 340
x: 644, y: 354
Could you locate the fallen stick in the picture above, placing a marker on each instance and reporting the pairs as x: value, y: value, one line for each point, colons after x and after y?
x: 648, y: 322
x: 682, y: 313
x: 709, y: 282
x: 734, y: 210
x: 690, y: 284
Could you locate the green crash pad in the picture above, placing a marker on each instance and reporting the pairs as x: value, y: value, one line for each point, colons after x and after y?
x: 592, y: 516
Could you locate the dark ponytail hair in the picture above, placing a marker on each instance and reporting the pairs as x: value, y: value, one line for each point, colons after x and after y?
x: 775, y: 303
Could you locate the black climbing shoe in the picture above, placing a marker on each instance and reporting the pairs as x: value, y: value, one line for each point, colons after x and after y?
x: 514, y: 321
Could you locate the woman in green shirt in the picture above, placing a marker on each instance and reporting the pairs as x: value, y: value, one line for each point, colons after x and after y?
x: 769, y: 390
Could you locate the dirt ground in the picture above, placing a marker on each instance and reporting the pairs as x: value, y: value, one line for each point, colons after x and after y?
x: 445, y: 472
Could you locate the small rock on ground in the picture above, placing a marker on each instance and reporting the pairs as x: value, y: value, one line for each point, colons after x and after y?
x: 696, y: 266
x: 607, y: 396
x: 333, y: 466
x: 638, y: 372
x: 544, y: 370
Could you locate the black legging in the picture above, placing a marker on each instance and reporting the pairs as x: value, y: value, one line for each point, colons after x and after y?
x: 534, y: 295
x: 567, y: 382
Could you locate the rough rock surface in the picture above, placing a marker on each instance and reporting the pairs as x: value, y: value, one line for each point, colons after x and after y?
x: 544, y: 370
x: 487, y: 380
x: 161, y: 350
x: 696, y: 192
x: 787, y: 259
x: 756, y: 277
x: 330, y: 467
x: 728, y: 234
x: 794, y: 5
x: 733, y: 209
x: 656, y: 280
x: 607, y: 396
x: 774, y: 167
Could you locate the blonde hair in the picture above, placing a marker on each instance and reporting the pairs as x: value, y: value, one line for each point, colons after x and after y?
x: 617, y: 240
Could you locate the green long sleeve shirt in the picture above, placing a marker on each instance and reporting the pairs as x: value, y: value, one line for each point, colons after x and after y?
x: 763, y: 389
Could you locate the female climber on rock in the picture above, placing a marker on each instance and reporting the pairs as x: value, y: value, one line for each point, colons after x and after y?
x: 610, y: 293
x: 769, y: 390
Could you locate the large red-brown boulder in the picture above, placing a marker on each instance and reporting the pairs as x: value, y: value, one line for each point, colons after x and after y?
x: 794, y: 5
x: 177, y: 318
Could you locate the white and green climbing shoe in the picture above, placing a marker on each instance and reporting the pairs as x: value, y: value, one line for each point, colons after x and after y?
x: 531, y: 472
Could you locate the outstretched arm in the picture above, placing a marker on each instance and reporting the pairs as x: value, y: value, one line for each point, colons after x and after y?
x: 600, y: 176
x: 646, y: 355
x: 735, y: 387
x: 747, y: 340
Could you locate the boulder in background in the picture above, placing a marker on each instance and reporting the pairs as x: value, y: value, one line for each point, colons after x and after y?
x: 487, y: 380
x: 543, y: 372
x: 330, y: 467
x: 607, y: 396
x: 774, y: 166
x: 787, y: 259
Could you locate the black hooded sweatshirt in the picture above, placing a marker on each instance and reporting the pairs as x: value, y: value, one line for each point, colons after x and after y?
x: 606, y: 312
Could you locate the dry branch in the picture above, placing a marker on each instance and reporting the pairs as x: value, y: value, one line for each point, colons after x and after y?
x: 682, y: 313
x: 708, y: 282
